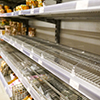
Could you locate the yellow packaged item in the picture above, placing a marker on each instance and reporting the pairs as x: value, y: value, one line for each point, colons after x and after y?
x: 40, y: 3
x: 1, y: 6
x: 3, y: 32
x: 27, y: 2
x: 6, y: 7
x: 9, y: 10
x: 34, y: 3
x: 2, y: 11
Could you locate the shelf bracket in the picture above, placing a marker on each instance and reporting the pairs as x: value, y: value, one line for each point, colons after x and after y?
x: 58, y: 27
x: 27, y: 26
x: 57, y: 31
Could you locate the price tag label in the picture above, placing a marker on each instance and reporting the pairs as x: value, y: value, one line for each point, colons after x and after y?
x: 19, y: 12
x: 83, y: 4
x: 74, y: 84
x: 32, y: 11
x: 41, y: 10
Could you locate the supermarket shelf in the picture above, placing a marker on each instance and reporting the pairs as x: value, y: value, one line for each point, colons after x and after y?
x: 24, y: 81
x: 87, y: 89
x: 28, y: 69
x: 9, y: 92
x: 61, y: 10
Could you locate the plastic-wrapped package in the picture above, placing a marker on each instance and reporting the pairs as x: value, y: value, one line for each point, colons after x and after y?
x: 40, y: 3
x: 22, y: 7
x: 23, y: 30
x: 14, y: 31
x: 31, y: 32
x: 9, y: 10
x: 7, y: 30
x: 1, y: 6
x: 19, y: 28
x: 34, y: 3
x: 5, y: 68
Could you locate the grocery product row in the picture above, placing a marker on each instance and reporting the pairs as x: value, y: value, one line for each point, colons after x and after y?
x: 57, y: 11
x: 29, y: 4
x: 77, y: 68
x: 12, y: 84
x: 39, y: 82
x: 16, y: 28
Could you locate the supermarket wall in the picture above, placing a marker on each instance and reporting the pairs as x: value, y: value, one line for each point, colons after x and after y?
x: 44, y: 30
x: 84, y: 35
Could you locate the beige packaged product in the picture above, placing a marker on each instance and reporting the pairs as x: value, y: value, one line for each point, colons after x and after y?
x: 14, y: 24
x: 19, y: 28
x: 10, y: 23
x: 14, y: 31
x: 7, y: 30
x: 23, y: 30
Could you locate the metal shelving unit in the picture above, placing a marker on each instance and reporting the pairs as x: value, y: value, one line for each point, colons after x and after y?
x: 67, y: 64
x: 24, y: 69
x: 71, y: 74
